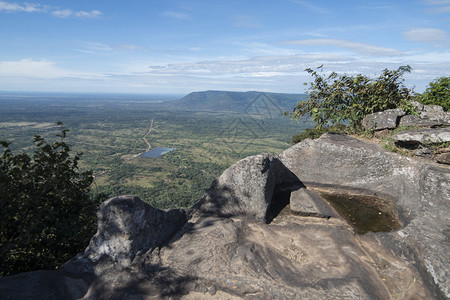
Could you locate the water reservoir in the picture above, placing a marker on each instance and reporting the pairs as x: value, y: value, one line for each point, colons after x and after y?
x: 156, y: 152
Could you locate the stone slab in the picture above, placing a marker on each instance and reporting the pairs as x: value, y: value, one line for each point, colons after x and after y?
x: 309, y: 203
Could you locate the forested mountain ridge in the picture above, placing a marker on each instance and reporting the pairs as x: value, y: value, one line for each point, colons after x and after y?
x: 237, y: 101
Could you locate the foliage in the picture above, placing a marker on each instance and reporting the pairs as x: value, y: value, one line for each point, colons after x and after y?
x: 340, y: 99
x: 437, y: 93
x: 47, y: 213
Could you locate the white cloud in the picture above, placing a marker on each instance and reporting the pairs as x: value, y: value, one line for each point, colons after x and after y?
x: 26, y: 7
x: 278, y: 73
x: 38, y: 69
x: 176, y: 15
x: 66, y: 13
x: 360, y: 48
x: 55, y: 11
x: 428, y: 35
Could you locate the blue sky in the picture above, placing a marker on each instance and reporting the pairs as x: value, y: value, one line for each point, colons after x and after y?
x: 175, y: 46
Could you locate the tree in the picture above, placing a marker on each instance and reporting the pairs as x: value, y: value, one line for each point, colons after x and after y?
x: 437, y: 93
x: 339, y: 99
x: 47, y: 212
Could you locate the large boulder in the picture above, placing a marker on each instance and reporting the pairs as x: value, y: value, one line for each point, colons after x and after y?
x: 420, y: 191
x: 428, y: 114
x: 388, y: 119
x: 127, y: 225
x: 252, y: 187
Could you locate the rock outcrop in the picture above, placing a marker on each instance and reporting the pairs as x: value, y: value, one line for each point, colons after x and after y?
x: 388, y: 119
x: 428, y: 116
x: 432, y: 121
x: 423, y: 136
x: 420, y: 192
x: 242, y: 240
x: 127, y: 225
x: 253, y: 187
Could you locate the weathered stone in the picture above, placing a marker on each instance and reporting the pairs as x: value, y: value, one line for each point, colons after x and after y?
x: 250, y: 187
x: 423, y: 136
x: 387, y: 119
x: 419, y: 190
x: 127, y: 225
x: 424, y: 152
x: 411, y: 120
x: 435, y: 112
x: 309, y: 203
x: 417, y: 106
x: 443, y: 158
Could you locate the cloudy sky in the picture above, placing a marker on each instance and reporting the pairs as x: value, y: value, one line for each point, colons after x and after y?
x: 180, y: 46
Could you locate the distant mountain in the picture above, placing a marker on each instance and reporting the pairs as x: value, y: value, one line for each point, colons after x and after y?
x: 243, y: 102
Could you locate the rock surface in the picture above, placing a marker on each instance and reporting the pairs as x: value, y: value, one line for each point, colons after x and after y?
x: 127, y: 225
x: 248, y: 188
x: 309, y: 203
x: 423, y: 136
x: 411, y: 120
x: 388, y: 119
x: 420, y: 192
x: 227, y: 250
x: 443, y: 158
x: 428, y: 116
x: 435, y: 112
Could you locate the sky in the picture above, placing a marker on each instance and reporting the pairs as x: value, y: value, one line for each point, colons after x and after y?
x: 181, y: 46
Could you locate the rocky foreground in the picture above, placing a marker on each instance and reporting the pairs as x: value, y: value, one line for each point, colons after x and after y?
x: 262, y: 232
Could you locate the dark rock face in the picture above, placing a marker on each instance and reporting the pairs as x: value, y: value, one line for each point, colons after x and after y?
x: 420, y: 191
x: 248, y: 188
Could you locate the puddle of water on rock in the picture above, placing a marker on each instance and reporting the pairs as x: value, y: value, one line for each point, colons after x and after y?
x: 365, y: 213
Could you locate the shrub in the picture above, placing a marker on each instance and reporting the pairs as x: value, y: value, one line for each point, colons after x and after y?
x: 344, y: 99
x: 47, y: 213
x: 437, y: 93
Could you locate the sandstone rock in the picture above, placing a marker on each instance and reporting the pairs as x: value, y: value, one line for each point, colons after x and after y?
x: 424, y: 152
x: 387, y: 119
x: 309, y: 203
x: 435, y: 112
x: 443, y: 158
x: 252, y: 187
x: 423, y: 136
x: 417, y: 106
x: 127, y: 225
x: 420, y: 191
x: 411, y: 120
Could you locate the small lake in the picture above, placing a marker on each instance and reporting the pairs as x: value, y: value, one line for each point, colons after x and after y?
x: 156, y: 152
